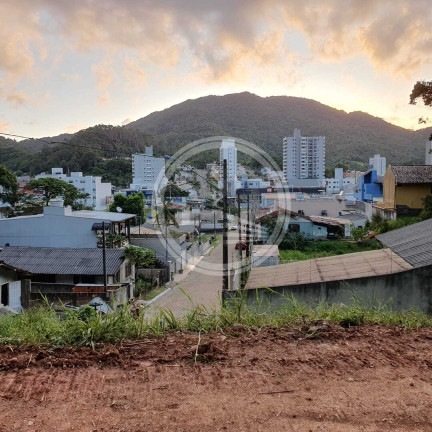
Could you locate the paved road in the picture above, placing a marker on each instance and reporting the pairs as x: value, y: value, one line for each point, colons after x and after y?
x: 198, y: 288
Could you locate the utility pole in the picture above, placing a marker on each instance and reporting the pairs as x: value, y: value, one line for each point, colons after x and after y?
x: 225, y: 228
x: 104, y: 257
x: 239, y: 228
x: 214, y: 223
x: 248, y: 230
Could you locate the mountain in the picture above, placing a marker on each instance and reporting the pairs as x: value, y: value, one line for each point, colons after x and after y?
x: 350, y: 138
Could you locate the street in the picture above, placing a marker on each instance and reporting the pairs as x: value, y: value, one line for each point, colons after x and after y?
x: 199, y: 287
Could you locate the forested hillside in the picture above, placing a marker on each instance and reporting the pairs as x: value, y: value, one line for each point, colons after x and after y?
x: 265, y: 121
x: 106, y: 150
x: 99, y: 150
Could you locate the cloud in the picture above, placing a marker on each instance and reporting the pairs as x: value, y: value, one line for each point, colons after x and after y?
x: 228, y: 41
x: 126, y: 121
x: 71, y: 77
x: 4, y: 126
x: 104, y: 74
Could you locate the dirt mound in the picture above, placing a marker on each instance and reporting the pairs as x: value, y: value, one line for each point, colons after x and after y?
x: 319, y: 377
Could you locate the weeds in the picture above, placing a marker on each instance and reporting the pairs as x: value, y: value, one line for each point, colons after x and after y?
x: 45, y: 326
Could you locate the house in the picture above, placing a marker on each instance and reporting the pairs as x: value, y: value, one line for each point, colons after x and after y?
x: 10, y: 286
x: 400, y: 274
x: 312, y: 227
x: 61, y: 227
x: 66, y: 274
x: 370, y: 187
x: 405, y: 188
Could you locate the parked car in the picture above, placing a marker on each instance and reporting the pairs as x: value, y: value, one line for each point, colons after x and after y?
x: 240, y: 244
x: 233, y: 227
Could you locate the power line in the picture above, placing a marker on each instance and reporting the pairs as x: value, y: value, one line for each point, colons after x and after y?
x: 58, y: 142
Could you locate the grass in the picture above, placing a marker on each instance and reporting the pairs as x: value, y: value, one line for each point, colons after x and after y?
x: 153, y: 293
x: 325, y: 248
x: 45, y: 326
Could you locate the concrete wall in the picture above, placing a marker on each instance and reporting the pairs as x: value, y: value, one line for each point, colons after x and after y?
x: 412, y: 195
x: 412, y: 288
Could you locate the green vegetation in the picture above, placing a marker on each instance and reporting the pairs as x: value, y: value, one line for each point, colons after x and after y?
x: 379, y: 225
x: 172, y: 190
x: 8, y: 186
x: 350, y: 138
x: 325, y: 248
x: 52, y: 188
x: 149, y: 295
x: 133, y: 204
x: 44, y: 326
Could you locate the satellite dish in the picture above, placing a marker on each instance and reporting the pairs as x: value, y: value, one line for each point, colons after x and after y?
x: 119, y: 209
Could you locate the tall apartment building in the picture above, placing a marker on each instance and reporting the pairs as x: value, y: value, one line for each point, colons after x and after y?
x: 228, y: 151
x: 428, y: 160
x: 99, y: 193
x: 303, y: 157
x: 379, y: 164
x: 148, y: 171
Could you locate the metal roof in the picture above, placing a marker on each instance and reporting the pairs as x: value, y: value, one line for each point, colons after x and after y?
x: 341, y: 267
x: 413, y: 243
x: 412, y: 174
x: 62, y: 261
x: 102, y: 215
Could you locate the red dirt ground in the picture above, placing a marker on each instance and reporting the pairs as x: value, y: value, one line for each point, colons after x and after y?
x: 320, y: 378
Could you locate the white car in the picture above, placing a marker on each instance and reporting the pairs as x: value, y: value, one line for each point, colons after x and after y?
x: 233, y: 227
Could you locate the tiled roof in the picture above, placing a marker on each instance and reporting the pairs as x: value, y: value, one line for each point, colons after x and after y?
x: 412, y: 174
x: 413, y: 243
x: 64, y: 261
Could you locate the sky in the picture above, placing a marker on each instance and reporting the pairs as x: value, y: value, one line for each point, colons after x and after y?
x: 67, y: 65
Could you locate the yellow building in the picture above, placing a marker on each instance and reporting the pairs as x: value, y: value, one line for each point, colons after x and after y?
x: 405, y: 188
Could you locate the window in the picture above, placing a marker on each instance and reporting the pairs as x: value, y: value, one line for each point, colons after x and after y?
x: 89, y: 279
x: 4, y: 295
x: 128, y: 269
x: 293, y: 228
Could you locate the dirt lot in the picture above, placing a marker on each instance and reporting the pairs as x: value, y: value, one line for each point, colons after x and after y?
x: 319, y: 378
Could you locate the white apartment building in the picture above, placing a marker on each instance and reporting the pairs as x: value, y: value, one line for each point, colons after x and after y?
x: 379, y: 164
x: 148, y: 171
x: 99, y: 193
x: 228, y: 151
x: 303, y: 157
x: 428, y: 160
x: 339, y: 182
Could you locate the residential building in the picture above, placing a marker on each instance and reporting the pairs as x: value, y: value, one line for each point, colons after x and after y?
x: 378, y: 164
x: 148, y: 172
x: 370, y: 187
x: 405, y: 187
x: 61, y: 227
x: 339, y: 182
x: 65, y: 274
x: 100, y: 194
x: 428, y: 154
x: 253, y: 183
x: 303, y: 157
x: 228, y: 151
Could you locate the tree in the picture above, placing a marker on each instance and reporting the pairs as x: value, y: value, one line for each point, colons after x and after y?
x: 53, y: 188
x: 140, y: 257
x: 166, y: 216
x: 8, y: 186
x: 359, y: 234
x: 172, y: 190
x: 133, y: 204
x: 427, y: 208
x: 422, y: 90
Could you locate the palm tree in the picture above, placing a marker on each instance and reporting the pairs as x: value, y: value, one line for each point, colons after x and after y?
x: 166, y: 217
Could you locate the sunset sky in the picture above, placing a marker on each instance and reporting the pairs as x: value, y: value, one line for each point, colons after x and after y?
x: 66, y: 65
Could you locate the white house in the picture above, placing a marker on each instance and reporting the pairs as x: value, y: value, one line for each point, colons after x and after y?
x: 61, y: 227
x: 99, y: 193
